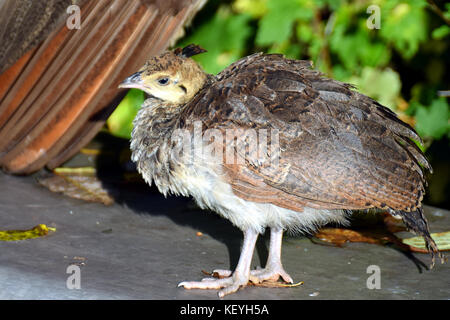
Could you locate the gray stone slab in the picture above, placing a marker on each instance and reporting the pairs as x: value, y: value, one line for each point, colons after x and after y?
x: 144, y: 245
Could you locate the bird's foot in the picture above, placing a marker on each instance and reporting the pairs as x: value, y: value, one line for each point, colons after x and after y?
x: 270, y: 273
x: 228, y: 284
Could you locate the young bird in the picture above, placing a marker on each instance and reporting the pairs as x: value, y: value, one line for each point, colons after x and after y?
x: 331, y: 150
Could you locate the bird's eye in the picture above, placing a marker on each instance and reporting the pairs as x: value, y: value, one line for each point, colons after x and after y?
x: 163, y: 81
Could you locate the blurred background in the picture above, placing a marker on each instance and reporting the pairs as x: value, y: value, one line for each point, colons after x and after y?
x: 403, y: 62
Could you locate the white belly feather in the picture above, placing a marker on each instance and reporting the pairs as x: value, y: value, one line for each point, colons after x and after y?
x: 204, y: 184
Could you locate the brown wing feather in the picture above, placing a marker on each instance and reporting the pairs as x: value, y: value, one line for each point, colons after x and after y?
x: 339, y: 149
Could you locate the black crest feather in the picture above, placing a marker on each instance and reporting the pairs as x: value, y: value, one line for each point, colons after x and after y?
x: 189, y: 51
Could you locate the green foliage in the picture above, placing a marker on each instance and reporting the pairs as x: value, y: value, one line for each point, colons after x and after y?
x: 441, y: 32
x: 275, y: 26
x: 433, y: 121
x: 405, y: 25
x: 120, y: 123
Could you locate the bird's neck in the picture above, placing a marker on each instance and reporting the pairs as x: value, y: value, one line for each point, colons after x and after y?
x: 152, y: 127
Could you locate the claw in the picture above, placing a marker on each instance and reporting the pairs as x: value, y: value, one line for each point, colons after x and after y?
x: 220, y: 273
x: 206, y: 284
x: 228, y: 285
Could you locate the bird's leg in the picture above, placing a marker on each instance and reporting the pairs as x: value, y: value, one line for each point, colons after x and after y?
x: 274, y: 269
x: 239, y: 277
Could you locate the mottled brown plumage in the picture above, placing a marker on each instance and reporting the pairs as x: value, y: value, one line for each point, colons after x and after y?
x: 338, y: 150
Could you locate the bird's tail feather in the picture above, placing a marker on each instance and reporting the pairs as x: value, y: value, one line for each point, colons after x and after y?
x: 415, y: 221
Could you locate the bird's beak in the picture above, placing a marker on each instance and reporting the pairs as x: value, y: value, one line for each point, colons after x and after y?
x: 133, y: 81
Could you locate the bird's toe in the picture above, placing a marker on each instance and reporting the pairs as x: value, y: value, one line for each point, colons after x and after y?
x: 207, y: 283
x: 228, y: 284
x: 230, y: 289
x: 270, y: 273
x: 221, y: 273
x: 238, y: 281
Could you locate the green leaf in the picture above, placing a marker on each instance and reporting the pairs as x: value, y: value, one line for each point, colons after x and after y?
x: 255, y: 8
x: 341, y: 73
x: 381, y: 85
x: 433, y: 121
x: 276, y: 25
x: 447, y: 11
x: 441, y: 32
x: 120, y: 122
x: 442, y: 240
x: 305, y: 32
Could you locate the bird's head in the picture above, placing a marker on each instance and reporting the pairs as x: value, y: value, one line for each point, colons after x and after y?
x: 172, y: 76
